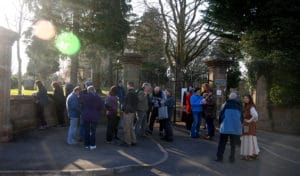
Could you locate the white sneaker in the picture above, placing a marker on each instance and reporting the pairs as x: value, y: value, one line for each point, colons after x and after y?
x: 93, y: 147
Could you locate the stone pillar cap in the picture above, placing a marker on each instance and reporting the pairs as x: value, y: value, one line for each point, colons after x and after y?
x: 8, y: 36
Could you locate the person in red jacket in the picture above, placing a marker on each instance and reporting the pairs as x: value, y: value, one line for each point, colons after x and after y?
x: 188, y: 109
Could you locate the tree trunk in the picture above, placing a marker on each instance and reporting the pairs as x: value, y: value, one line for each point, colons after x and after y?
x: 97, y: 74
x: 110, y: 68
x: 19, y: 68
x: 75, y: 58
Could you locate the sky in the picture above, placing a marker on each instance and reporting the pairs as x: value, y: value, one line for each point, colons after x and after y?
x: 8, y: 14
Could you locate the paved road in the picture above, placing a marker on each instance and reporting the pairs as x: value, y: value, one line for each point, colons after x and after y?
x: 279, y: 156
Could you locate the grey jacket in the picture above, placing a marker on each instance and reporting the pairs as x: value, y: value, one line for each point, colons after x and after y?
x: 142, y: 101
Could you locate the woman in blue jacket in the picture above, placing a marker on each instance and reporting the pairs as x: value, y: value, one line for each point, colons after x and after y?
x: 196, y: 102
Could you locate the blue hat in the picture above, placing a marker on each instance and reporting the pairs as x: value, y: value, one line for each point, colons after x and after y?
x: 88, y: 83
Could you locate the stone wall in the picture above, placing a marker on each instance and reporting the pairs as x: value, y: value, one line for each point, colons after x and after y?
x: 23, y: 115
x: 275, y: 118
x: 286, y: 119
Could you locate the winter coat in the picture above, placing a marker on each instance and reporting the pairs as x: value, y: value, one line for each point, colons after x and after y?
x: 195, y: 103
x: 170, y: 103
x: 73, y: 106
x: 111, y: 104
x: 92, y: 105
x: 209, y: 108
x: 188, y: 106
x: 42, y: 97
x: 58, y: 96
x: 231, y: 118
x: 130, y: 102
x: 142, y: 101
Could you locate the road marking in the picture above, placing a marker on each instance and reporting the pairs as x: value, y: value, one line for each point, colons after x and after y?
x: 263, y: 146
x: 159, y: 172
x: 279, y: 145
x: 187, y: 159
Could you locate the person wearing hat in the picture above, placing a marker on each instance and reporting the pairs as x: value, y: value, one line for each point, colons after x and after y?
x: 230, y: 119
x: 196, y: 102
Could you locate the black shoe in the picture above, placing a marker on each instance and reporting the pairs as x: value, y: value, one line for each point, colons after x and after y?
x: 117, y: 138
x: 133, y: 144
x: 219, y: 160
x: 231, y: 160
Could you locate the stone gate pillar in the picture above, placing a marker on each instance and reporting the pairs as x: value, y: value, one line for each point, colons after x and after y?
x: 7, y: 39
x: 131, y: 68
x: 217, y: 77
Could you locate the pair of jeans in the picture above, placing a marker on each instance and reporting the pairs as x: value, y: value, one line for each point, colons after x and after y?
x: 141, y: 123
x: 197, y: 116
x: 71, y: 138
x: 111, y: 127
x: 129, y: 133
x: 90, y: 133
x: 210, y: 126
x: 222, y: 145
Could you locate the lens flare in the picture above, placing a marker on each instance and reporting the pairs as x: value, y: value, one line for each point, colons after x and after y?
x: 67, y: 43
x: 44, y: 30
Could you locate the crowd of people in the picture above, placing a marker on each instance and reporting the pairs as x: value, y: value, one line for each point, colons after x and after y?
x: 137, y: 111
x: 236, y: 122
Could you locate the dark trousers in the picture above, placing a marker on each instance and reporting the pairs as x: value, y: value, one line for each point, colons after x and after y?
x: 40, y: 113
x: 116, y: 127
x: 111, y: 125
x: 189, y: 121
x: 60, y: 113
x: 223, y: 142
x: 90, y: 133
x: 210, y: 126
x: 167, y: 127
x: 153, y: 116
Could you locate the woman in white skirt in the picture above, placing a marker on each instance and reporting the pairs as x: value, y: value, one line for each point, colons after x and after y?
x: 249, y: 146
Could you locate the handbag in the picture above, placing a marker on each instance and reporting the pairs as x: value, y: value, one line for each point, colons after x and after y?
x: 163, y: 112
x: 246, y: 129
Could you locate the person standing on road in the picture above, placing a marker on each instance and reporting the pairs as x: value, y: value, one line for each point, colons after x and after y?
x: 210, y: 114
x: 196, y: 102
x: 111, y: 104
x: 188, y: 109
x: 249, y: 146
x: 92, y: 105
x: 157, y: 100
x: 142, y: 108
x: 74, y: 111
x: 130, y: 107
x: 60, y: 102
x: 230, y: 120
x: 41, y: 100
x: 170, y: 103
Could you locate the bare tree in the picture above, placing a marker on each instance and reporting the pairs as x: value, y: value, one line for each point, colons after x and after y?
x: 17, y: 24
x: 186, y: 38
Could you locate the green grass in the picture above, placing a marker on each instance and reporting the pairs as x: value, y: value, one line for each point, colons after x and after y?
x: 30, y: 92
x: 25, y: 92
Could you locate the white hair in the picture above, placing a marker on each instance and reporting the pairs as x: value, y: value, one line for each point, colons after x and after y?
x: 232, y: 96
